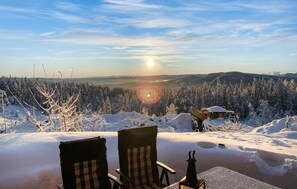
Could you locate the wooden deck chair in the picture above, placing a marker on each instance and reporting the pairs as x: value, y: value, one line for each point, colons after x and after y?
x: 84, y: 165
x: 138, y: 159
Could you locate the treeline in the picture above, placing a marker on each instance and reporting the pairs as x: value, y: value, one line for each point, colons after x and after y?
x: 268, y: 98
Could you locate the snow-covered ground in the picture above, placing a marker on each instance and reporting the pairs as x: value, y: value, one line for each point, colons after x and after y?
x: 29, y: 159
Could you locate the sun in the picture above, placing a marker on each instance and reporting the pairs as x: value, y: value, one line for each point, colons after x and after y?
x: 150, y: 63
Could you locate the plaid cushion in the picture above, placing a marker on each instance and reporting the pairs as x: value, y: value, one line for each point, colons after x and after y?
x: 140, y: 165
x: 86, y: 174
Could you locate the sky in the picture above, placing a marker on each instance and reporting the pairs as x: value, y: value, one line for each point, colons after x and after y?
x: 48, y: 38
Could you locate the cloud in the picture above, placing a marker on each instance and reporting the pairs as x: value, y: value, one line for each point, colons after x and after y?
x: 56, y: 14
x: 113, y: 40
x: 15, y: 35
x: 129, y: 5
x: 67, y: 6
x: 175, y: 33
x: 293, y: 54
x: 120, y: 48
x: 155, y: 23
x: 18, y: 9
x: 47, y: 34
x: 270, y: 7
x: 174, y: 65
x: 70, y: 17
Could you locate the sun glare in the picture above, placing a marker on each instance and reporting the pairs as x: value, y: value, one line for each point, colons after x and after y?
x: 150, y: 63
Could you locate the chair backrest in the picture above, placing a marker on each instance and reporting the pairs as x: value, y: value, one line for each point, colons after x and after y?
x: 84, y: 164
x: 138, y: 154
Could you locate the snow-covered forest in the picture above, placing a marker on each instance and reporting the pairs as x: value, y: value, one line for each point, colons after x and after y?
x: 265, y: 99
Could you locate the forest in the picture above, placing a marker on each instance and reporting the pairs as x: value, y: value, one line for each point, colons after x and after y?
x: 267, y: 99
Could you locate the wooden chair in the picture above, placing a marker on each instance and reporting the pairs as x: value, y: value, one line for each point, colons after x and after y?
x: 138, y: 159
x: 84, y: 165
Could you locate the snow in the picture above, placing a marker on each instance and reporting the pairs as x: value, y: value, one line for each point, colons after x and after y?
x: 277, y: 126
x: 269, y: 153
x: 216, y: 109
x: 218, y: 122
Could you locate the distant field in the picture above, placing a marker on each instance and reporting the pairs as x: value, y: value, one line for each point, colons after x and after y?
x: 133, y: 82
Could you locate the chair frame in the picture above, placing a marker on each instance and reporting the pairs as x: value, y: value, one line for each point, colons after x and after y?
x: 117, y: 183
x: 165, y: 169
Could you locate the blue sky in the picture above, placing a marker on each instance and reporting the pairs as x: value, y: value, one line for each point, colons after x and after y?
x: 117, y: 37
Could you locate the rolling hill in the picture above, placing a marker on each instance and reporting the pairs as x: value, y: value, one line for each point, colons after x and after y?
x: 172, y: 81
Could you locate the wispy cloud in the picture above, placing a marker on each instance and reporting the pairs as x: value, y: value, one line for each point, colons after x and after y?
x: 155, y: 23
x: 272, y: 7
x: 67, y: 6
x: 174, y: 65
x: 18, y: 9
x: 15, y: 35
x: 70, y: 17
x: 174, y: 32
x: 47, y: 34
x: 129, y: 5
x: 262, y: 6
x: 113, y: 40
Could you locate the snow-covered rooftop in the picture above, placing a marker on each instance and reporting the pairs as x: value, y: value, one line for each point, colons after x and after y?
x: 215, y: 109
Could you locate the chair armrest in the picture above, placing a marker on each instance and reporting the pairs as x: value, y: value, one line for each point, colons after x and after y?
x: 126, y: 178
x: 115, y: 179
x: 170, y: 170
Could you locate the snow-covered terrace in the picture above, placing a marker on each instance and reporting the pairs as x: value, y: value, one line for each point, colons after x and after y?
x: 267, y: 153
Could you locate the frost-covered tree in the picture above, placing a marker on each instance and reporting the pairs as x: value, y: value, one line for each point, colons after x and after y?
x: 280, y: 94
x: 171, y: 109
x: 184, y: 98
x: 117, y: 104
x: 265, y: 111
x: 253, y: 118
x: 61, y: 114
x: 144, y: 111
x: 107, y: 106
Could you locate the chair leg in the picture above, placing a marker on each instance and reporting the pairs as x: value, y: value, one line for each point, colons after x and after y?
x: 164, y: 173
x: 115, y: 186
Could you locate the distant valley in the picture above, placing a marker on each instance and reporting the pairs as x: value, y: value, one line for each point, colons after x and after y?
x: 172, y: 81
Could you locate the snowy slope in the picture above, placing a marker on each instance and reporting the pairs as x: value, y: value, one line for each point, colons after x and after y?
x: 277, y: 126
x: 268, y: 153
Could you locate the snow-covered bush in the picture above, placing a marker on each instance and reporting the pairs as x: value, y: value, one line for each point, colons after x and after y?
x: 59, y: 114
x: 171, y: 109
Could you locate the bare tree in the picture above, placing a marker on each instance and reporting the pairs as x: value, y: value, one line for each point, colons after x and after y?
x: 62, y: 115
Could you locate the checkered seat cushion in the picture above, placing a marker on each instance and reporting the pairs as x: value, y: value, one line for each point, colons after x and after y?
x: 87, y: 174
x: 140, y: 166
x: 84, y: 164
x: 138, y: 156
